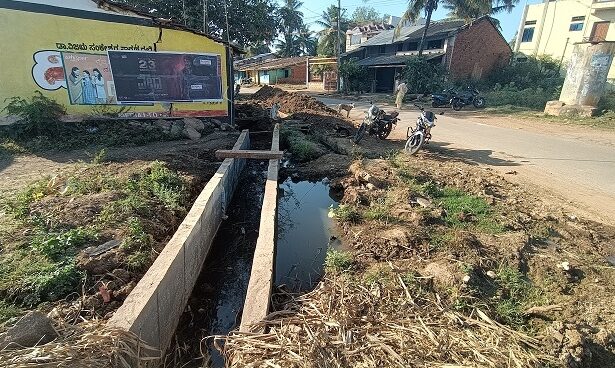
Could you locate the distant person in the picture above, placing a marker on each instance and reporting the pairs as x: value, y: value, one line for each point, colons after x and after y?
x: 89, y: 91
x: 75, y: 86
x: 401, y: 90
x: 99, y: 86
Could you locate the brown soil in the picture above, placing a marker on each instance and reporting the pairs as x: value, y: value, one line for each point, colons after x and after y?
x: 194, y: 161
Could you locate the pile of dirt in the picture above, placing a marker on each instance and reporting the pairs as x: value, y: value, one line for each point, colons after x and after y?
x: 291, y: 103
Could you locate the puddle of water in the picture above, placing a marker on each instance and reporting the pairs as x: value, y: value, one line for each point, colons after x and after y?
x: 305, y: 232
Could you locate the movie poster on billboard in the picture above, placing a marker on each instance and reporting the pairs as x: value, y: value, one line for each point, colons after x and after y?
x: 145, y: 77
x: 88, y: 79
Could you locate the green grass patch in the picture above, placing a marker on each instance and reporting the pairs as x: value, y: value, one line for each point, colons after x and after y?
x: 346, y: 213
x: 516, y: 294
x: 57, y: 245
x: 338, y: 261
x: 19, y: 206
x: 302, y: 148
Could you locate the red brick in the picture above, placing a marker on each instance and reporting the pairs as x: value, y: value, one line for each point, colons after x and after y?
x: 477, y: 51
x: 297, y: 75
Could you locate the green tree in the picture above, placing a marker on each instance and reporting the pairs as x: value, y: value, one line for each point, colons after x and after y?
x: 365, y: 15
x: 250, y: 22
x: 327, y: 42
x: 464, y: 9
x: 307, y: 41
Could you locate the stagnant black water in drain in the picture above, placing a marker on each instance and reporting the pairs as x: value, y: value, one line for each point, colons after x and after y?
x: 305, y: 232
x: 217, y: 299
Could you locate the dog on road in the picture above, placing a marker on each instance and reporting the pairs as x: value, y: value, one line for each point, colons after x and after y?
x: 346, y: 107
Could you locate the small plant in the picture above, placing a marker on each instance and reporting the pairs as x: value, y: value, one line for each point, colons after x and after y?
x: 55, y: 246
x: 346, y: 213
x: 379, y: 274
x: 516, y: 293
x: 8, y: 311
x: 338, y: 261
x: 100, y: 157
x: 138, y: 260
x: 136, y: 237
x: 19, y: 207
x: 38, y: 116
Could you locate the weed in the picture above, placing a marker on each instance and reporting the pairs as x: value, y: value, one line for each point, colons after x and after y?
x: 166, y: 185
x: 136, y: 237
x: 19, y: 207
x: 441, y: 240
x: 379, y: 274
x: 516, y: 292
x: 8, y: 311
x: 38, y: 116
x: 138, y: 260
x: 56, y: 245
x: 302, y: 148
x: 338, y: 261
x: 100, y: 157
x: 346, y: 213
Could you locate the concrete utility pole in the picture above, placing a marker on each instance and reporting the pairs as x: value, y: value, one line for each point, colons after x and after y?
x: 339, y: 42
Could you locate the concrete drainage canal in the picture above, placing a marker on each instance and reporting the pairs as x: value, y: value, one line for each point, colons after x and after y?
x: 305, y: 231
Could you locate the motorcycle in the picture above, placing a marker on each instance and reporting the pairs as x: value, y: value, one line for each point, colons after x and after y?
x: 443, y: 98
x: 376, y: 122
x: 421, y: 134
x: 469, y: 97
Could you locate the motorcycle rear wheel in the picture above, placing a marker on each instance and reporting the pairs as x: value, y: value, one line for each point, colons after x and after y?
x: 457, y: 105
x: 384, y: 131
x: 414, y: 143
x: 360, y: 133
x: 479, y: 102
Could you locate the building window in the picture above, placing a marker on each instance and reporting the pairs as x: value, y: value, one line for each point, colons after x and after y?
x: 528, y: 35
x: 530, y: 22
x: 383, y: 49
x: 413, y: 46
x: 576, y: 27
x: 355, y: 39
x: 436, y: 44
x: 400, y: 47
x: 286, y: 73
x: 578, y: 19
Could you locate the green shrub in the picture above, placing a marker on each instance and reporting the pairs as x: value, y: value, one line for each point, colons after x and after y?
x: 38, y: 116
x: 19, y: 207
x: 533, y: 98
x: 356, y: 78
x: 423, y: 76
x: 536, y: 72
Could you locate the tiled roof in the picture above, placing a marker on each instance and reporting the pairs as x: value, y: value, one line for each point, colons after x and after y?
x: 382, y: 60
x: 274, y: 64
x: 414, y: 33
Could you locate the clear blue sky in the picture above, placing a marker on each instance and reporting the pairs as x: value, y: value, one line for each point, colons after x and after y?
x: 312, y: 9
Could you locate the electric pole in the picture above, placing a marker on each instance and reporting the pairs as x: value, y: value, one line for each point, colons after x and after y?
x: 339, y: 42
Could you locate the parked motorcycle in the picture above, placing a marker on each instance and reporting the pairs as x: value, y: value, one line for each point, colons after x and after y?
x: 376, y: 122
x: 469, y: 97
x: 421, y: 134
x: 443, y: 98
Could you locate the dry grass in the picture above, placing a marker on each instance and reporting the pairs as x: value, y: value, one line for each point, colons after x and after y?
x: 390, y: 323
x: 87, y: 345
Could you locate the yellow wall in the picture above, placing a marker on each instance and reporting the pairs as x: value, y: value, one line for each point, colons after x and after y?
x: 556, y: 39
x: 25, y: 33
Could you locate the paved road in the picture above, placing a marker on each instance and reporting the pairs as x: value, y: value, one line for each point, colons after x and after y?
x: 575, y: 169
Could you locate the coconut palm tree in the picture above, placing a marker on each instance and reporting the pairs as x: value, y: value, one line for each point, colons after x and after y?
x: 464, y: 9
x: 327, y: 42
x: 307, y: 41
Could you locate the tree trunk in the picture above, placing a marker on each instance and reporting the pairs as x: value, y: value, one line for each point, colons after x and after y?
x: 430, y: 6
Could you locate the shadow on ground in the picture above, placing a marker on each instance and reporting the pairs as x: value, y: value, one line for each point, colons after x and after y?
x: 469, y: 156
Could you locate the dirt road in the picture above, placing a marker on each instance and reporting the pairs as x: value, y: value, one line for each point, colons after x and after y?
x: 576, y: 165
